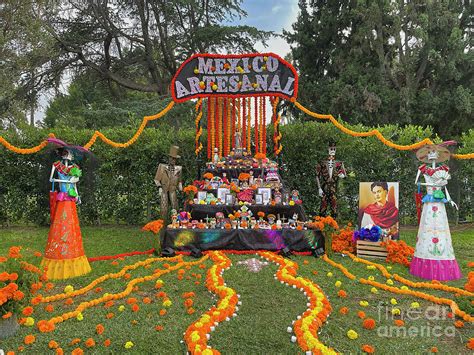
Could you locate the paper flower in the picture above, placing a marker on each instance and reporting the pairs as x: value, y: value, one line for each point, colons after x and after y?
x: 389, y: 282
x: 374, y: 290
x: 128, y: 345
x: 364, y: 303
x: 329, y: 274
x: 396, y: 311
x: 415, y: 305
x: 338, y: 283
x: 393, y: 301
x: 68, y: 289
x: 352, y: 334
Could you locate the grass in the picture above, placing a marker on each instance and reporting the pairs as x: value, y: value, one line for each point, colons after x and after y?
x: 267, y: 309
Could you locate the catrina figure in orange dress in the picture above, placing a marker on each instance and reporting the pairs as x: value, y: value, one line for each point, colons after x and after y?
x: 64, y: 255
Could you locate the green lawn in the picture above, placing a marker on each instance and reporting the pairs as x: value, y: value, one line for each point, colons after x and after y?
x: 267, y: 309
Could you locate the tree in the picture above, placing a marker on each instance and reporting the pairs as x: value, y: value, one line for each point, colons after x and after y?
x: 24, y: 71
x: 378, y: 62
x: 139, y: 44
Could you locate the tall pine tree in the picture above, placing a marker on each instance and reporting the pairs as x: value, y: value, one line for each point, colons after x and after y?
x: 378, y: 62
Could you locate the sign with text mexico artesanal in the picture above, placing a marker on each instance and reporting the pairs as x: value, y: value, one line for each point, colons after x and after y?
x: 239, y: 75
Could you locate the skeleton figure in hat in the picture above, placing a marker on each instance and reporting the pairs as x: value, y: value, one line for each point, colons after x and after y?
x: 328, y: 173
x: 434, y: 255
x: 168, y: 179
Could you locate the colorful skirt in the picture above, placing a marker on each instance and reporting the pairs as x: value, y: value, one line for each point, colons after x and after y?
x: 434, y: 255
x: 64, y: 256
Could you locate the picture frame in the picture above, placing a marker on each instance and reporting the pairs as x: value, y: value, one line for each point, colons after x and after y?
x: 266, y: 192
x: 259, y: 199
x: 201, y: 195
x: 229, y: 199
x: 221, y: 193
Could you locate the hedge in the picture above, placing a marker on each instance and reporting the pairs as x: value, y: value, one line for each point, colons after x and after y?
x: 118, y: 187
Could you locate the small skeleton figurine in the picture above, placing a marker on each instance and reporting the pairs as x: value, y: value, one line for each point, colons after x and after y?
x: 215, y: 158
x: 327, y: 175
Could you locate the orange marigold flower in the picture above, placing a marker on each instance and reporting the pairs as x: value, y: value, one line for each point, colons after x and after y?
x: 188, y: 302
x: 99, y: 329
x: 49, y: 308
x: 3, y: 259
x: 59, y: 351
x: 29, y: 339
x: 109, y: 315
x: 132, y: 300
x: 399, y: 322
x: 114, y: 263
x: 459, y: 324
x: 18, y: 295
x: 109, y: 304
x: 127, y: 276
x: 98, y: 289
x: 434, y: 349
x: 75, y: 341
x: 53, y: 345
x: 470, y: 344
x: 162, y: 312
x: 107, y: 343
x: 342, y: 293
x: 45, y: 326
x: 7, y: 315
x: 90, y: 343
x: 49, y: 286
x: 369, y: 349
x: 369, y: 323
x: 344, y: 310
x: 159, y: 328
x: 191, y: 310
x: 27, y: 311
x: 77, y: 351
x: 188, y: 295
x: 14, y: 252
x: 69, y: 301
x: 147, y: 300
x: 361, y: 314
x: 135, y: 307
x: 161, y: 294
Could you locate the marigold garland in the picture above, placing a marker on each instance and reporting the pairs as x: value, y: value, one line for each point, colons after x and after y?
x: 105, y: 277
x: 197, y: 121
x: 249, y: 127
x: 235, y: 113
x: 213, y: 128
x: 307, y: 326
x: 197, y: 334
x: 256, y: 124
x: 430, y: 285
x: 219, y: 126
x: 209, y: 119
x: 264, y: 128
x: 396, y: 290
x: 230, y: 133
x: 129, y: 288
x: 244, y: 122
x: 154, y: 226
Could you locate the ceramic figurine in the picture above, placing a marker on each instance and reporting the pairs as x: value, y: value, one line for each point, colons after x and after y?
x: 234, y: 223
x: 194, y: 223
x: 295, y: 197
x: 293, y: 220
x: 277, y: 196
x: 183, y: 218
x: 174, y: 218
x: 220, y: 220
x: 279, y: 224
x: 213, y: 223
x: 215, y: 158
x: 224, y: 179
x: 253, y: 222
x: 271, y: 219
x: 245, y: 213
x: 251, y: 180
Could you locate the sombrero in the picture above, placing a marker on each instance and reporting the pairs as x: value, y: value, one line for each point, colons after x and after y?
x: 77, y: 150
x: 443, y: 152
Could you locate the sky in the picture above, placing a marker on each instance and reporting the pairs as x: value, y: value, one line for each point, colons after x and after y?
x: 271, y: 15
x: 267, y: 15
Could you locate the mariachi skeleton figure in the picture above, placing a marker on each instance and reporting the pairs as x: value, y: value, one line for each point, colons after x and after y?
x: 168, y: 179
x: 327, y: 175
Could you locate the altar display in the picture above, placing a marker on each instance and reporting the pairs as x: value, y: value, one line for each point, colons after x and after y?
x: 64, y: 255
x: 434, y: 255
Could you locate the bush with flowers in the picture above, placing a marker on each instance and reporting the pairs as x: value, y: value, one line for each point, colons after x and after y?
x: 398, y: 252
x: 19, y: 281
x: 328, y: 226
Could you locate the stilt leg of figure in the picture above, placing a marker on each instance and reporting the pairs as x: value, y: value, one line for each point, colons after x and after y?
x: 174, y: 200
x: 164, y: 205
x: 324, y: 205
x: 333, y: 202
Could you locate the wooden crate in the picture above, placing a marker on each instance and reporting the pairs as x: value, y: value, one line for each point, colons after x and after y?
x: 366, y: 249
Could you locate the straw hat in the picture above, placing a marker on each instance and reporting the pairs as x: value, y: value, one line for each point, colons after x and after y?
x: 443, y: 152
x: 174, y: 152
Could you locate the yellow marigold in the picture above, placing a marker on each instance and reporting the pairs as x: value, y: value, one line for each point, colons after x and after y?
x: 352, y: 334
